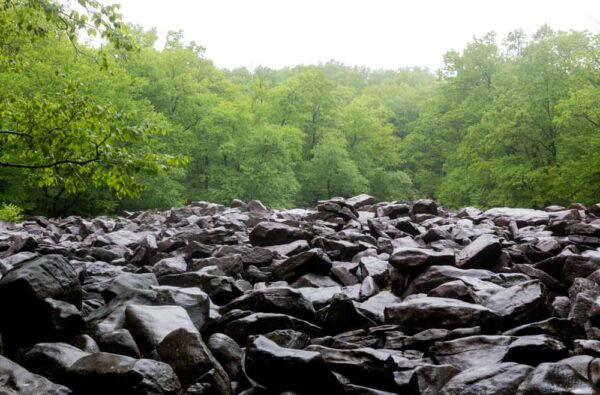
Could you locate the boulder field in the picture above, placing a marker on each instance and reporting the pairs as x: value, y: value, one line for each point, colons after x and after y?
x: 349, y: 297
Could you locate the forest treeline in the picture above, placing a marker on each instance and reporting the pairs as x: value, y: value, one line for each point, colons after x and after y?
x: 91, y: 129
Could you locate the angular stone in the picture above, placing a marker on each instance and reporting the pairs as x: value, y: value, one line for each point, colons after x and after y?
x: 150, y: 324
x: 315, y: 281
x: 424, y: 206
x: 536, y: 349
x: 471, y: 351
x: 104, y: 373
x: 227, y: 352
x: 119, y: 341
x: 312, y: 261
x: 52, y: 360
x: 434, y: 276
x: 556, y: 378
x: 26, y: 315
x: 15, y: 379
x: 483, y: 252
x: 499, y: 378
x: 190, y: 358
x: 129, y: 281
x: 376, y: 305
x: 281, y: 300
x: 342, y: 316
x: 263, y: 323
x: 429, y: 379
x: 284, y: 369
x: 174, y: 265
x: 376, y: 268
x: 289, y: 338
x: 411, y: 259
x: 366, y: 366
x: 519, y: 304
x: 274, y: 233
x: 427, y: 312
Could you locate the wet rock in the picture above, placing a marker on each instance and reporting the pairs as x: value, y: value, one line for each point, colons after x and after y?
x: 129, y: 281
x: 536, y: 349
x: 52, y: 360
x: 407, y: 259
x: 427, y: 312
x: 230, y: 265
x: 227, y: 352
x: 522, y: 217
x: 365, y: 366
x: 283, y: 369
x: 315, y: 281
x: 174, y: 265
x: 150, y: 324
x: 556, y: 378
x: 483, y: 252
x: 191, y: 359
x: 103, y: 373
x: 435, y: 276
x: 376, y: 268
x: 499, y: 378
x: 274, y: 300
x: 85, y: 343
x: 263, y: 323
x: 33, y: 319
x: 341, y: 316
x: 375, y: 305
x: 289, y: 338
x: 472, y: 351
x: 429, y: 379
x: 424, y: 206
x: 220, y: 289
x: 289, y: 249
x: 274, y: 233
x: 18, y: 380
x: 521, y: 303
x: 312, y: 261
x: 119, y: 341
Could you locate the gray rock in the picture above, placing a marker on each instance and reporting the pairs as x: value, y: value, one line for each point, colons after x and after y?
x: 284, y: 369
x: 422, y: 313
x: 481, y: 253
x: 17, y: 380
x: 499, y: 378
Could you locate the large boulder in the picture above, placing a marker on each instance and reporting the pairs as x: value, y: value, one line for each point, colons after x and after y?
x: 274, y: 233
x: 104, y: 373
x: 489, y: 379
x: 15, y: 379
x: 28, y: 316
x: 282, y: 300
x: 481, y: 253
x: 424, y: 312
x: 282, y: 369
x: 150, y: 324
x: 407, y: 259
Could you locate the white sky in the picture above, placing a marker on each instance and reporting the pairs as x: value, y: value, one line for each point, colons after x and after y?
x: 374, y: 33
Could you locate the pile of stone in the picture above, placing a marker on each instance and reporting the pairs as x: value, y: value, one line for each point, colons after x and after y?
x: 349, y: 297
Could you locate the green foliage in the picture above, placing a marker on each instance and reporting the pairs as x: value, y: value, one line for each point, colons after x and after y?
x: 127, y: 126
x: 11, y: 213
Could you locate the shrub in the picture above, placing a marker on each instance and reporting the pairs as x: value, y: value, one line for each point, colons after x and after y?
x: 11, y: 213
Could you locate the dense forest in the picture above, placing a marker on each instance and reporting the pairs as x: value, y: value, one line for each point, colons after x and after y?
x: 95, y: 119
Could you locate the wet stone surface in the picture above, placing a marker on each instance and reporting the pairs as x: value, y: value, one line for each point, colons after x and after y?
x: 352, y: 296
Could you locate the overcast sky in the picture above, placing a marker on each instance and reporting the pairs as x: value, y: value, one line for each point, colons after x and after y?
x: 374, y: 33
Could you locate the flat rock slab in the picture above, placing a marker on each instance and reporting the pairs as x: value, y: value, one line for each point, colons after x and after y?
x: 422, y: 313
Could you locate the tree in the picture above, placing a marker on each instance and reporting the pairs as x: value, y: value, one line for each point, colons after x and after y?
x: 66, y: 135
x: 332, y: 172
